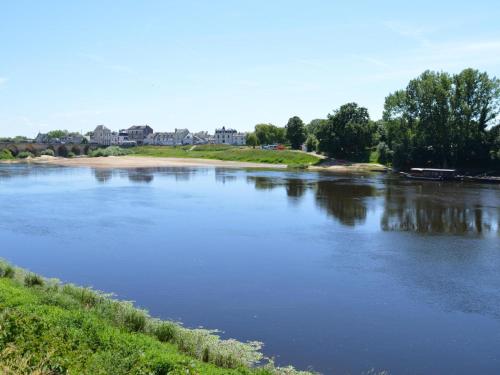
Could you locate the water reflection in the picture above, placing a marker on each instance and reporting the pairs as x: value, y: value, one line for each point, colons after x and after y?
x: 344, y: 200
x: 439, y: 208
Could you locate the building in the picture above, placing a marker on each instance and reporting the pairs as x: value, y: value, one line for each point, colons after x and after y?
x: 139, y: 133
x: 160, y: 139
x: 74, y: 138
x: 42, y: 138
x: 229, y: 136
x: 101, y: 136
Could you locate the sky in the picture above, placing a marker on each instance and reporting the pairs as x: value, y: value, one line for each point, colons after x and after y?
x: 204, y: 64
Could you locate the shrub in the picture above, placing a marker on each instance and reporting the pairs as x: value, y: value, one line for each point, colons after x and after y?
x: 24, y: 155
x: 6, y: 154
x: 7, y: 271
x: 71, y: 154
x: 47, y: 152
x: 110, y: 151
x: 33, y: 280
x: 385, y: 154
x: 165, y: 331
x: 311, y: 143
x: 75, y: 150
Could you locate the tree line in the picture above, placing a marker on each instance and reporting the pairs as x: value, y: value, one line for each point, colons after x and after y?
x: 439, y: 119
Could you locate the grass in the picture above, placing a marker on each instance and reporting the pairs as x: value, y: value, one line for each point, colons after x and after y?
x: 230, y: 153
x: 5, y: 154
x: 52, y: 328
x: 110, y: 151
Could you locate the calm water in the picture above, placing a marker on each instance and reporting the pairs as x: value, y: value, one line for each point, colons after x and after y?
x: 340, y: 273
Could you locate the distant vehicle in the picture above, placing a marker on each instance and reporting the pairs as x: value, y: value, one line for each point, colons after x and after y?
x: 431, y: 174
x: 273, y: 147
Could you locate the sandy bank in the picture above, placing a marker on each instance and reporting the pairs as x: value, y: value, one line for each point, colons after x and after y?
x: 148, y: 162
x: 155, y: 162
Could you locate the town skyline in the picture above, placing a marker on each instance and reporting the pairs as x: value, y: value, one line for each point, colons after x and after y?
x: 191, y: 64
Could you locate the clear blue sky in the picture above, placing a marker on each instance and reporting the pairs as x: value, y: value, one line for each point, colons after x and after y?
x: 202, y: 64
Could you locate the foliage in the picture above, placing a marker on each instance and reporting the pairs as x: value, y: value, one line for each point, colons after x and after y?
x: 24, y: 155
x: 252, y: 140
x: 230, y: 153
x: 47, y: 152
x: 53, y: 134
x: 313, y: 127
x: 63, y: 329
x: 6, y: 154
x: 269, y: 134
x: 442, y: 119
x: 347, y: 133
x: 295, y: 132
x: 311, y: 143
x: 110, y: 151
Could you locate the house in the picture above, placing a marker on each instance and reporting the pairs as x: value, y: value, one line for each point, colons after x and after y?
x: 73, y: 138
x: 229, y: 136
x: 139, y: 133
x: 101, y: 136
x: 115, y: 138
x: 201, y: 138
x: 122, y: 136
x: 160, y: 139
x: 42, y: 138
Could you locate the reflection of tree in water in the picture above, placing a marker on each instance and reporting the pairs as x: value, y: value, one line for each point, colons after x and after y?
x: 344, y: 201
x: 141, y: 175
x: 437, y: 208
x: 103, y: 175
x: 294, y: 187
x: 224, y: 175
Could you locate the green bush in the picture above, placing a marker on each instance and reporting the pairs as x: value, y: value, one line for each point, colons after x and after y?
x: 24, y: 155
x: 47, y: 152
x: 6, y: 154
x: 71, y: 154
x: 311, y: 143
x: 110, y: 151
x: 33, y: 280
x: 7, y: 271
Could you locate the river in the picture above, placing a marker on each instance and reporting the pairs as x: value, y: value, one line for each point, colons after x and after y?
x: 336, y: 273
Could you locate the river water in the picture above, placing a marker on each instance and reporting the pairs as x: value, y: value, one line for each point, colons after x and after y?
x: 336, y: 273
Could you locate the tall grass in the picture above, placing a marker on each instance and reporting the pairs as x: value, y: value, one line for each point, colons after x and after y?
x: 230, y: 153
x: 110, y: 151
x: 201, y: 345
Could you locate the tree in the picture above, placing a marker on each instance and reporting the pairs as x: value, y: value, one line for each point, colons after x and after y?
x: 311, y: 143
x: 57, y: 134
x: 295, y: 132
x: 269, y: 134
x: 313, y: 127
x: 252, y: 140
x: 442, y: 119
x: 347, y: 133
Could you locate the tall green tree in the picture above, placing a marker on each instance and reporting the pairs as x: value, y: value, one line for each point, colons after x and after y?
x: 347, y: 133
x: 442, y: 119
x: 295, y: 132
x: 269, y: 134
x: 252, y: 140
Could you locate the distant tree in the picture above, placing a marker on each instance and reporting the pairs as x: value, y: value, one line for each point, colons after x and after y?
x: 311, y: 143
x: 269, y: 134
x: 313, y: 127
x: 295, y: 132
x: 57, y: 134
x: 252, y: 140
x: 442, y: 119
x: 347, y: 133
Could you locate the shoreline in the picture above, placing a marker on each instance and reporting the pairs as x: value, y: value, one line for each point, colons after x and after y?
x: 129, y: 162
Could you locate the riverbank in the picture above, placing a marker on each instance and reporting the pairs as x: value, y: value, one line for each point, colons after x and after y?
x: 54, y: 328
x: 133, y: 161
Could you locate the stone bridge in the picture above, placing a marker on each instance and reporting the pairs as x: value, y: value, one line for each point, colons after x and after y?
x: 58, y: 148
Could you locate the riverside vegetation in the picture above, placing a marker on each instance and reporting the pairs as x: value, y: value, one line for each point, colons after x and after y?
x: 226, y: 152
x: 50, y: 328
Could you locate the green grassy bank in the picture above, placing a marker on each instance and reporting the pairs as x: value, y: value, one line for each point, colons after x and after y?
x: 50, y: 328
x: 231, y: 153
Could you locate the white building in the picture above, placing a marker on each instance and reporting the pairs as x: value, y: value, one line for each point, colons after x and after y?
x: 229, y: 137
x: 101, y: 136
